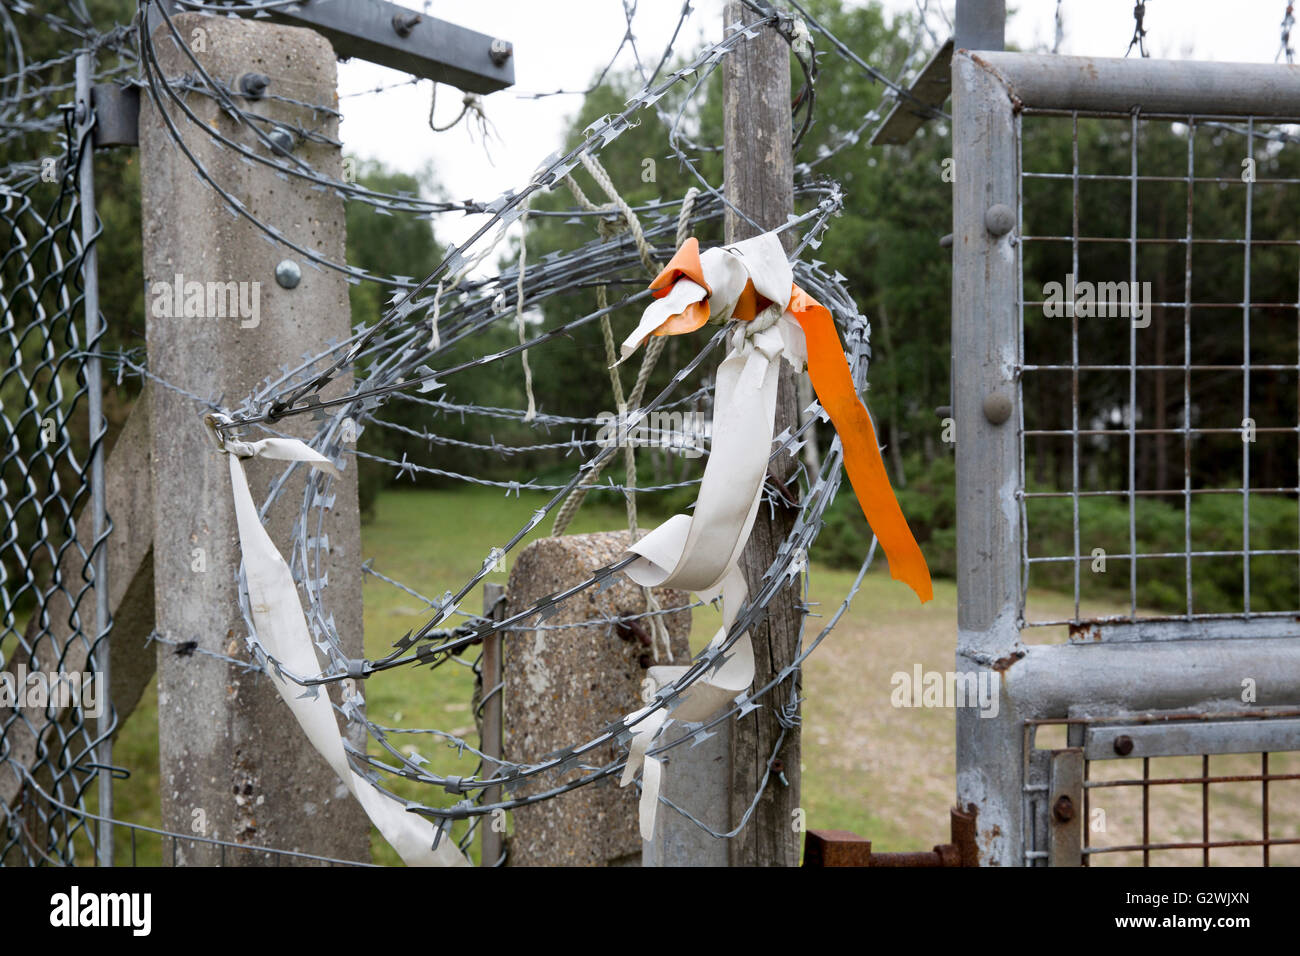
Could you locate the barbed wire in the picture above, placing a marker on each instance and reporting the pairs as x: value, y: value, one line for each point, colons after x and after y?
x: 1288, y: 22
x: 395, y: 363
x: 1139, y: 30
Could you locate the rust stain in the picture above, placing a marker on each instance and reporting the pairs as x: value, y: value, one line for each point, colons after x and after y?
x: 1016, y: 104
x: 1002, y: 664
x: 1087, y: 631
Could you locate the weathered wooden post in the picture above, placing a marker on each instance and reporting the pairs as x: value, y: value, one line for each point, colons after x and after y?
x: 234, y: 764
x: 759, y: 174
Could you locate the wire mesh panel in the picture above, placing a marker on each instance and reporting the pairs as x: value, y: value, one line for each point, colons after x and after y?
x: 51, y: 701
x: 1126, y: 327
x: 1160, y: 398
x: 1176, y: 788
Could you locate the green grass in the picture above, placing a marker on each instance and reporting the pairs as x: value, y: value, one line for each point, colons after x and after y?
x: 433, y: 542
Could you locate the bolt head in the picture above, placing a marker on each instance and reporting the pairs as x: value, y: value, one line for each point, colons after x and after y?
x: 281, y: 140
x: 288, y: 274
x: 997, y: 408
x: 1063, y: 809
x: 1000, y: 219
x: 404, y: 23
x: 1123, y: 745
x: 253, y: 85
x: 500, y: 51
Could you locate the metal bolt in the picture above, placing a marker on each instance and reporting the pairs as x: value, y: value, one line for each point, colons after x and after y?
x: 1123, y: 745
x: 1000, y: 219
x: 946, y: 242
x: 254, y: 85
x: 288, y: 274
x: 282, y: 141
x: 500, y: 51
x: 405, y: 22
x: 997, y: 408
x: 1063, y: 809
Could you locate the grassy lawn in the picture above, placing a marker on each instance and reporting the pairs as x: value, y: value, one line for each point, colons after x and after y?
x: 884, y: 772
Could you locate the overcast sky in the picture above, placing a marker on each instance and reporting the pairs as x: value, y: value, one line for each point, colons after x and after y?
x: 562, y: 44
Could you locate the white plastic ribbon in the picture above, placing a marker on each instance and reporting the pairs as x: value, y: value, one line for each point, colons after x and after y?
x: 700, y: 552
x: 282, y: 630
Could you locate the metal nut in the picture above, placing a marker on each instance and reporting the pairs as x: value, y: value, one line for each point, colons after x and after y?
x: 1123, y: 745
x: 500, y: 51
x: 1000, y: 219
x: 253, y: 85
x: 997, y: 408
x: 288, y: 274
x: 282, y: 140
x: 404, y: 23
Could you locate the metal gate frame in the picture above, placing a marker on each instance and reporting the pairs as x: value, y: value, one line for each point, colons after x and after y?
x: 1127, y: 681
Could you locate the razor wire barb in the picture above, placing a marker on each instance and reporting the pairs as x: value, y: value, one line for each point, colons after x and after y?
x: 395, y: 360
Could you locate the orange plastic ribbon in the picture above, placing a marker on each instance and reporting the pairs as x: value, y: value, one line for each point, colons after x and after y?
x: 685, y: 262
x: 832, y: 381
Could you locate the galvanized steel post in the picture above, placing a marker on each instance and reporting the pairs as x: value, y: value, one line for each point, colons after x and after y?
x: 85, y: 69
x: 986, y: 409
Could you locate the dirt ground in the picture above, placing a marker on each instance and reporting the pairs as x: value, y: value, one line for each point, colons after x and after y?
x: 888, y: 773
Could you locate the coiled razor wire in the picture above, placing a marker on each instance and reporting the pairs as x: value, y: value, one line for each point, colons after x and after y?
x: 397, y: 359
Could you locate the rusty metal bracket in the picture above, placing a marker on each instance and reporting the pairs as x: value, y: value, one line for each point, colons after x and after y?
x: 398, y: 38
x: 117, y: 115
x: 1065, y: 798
x: 845, y: 848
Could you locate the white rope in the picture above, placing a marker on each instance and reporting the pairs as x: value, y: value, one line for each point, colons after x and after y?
x: 660, y: 638
x: 653, y: 349
x: 519, y: 312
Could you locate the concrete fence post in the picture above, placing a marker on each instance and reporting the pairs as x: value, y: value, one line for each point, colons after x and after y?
x: 233, y: 763
x: 697, y: 779
x: 564, y: 681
